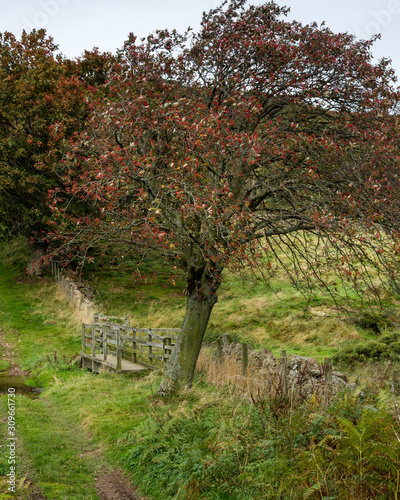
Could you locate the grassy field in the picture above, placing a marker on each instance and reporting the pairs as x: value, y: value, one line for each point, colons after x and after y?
x: 209, y: 443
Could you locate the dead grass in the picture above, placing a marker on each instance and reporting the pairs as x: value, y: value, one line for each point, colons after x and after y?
x: 284, y: 317
x: 266, y: 319
x: 51, y: 297
x: 330, y: 331
x: 157, y: 315
x: 228, y: 371
x: 274, y: 318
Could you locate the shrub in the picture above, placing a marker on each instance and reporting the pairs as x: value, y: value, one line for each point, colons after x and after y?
x: 220, y: 446
x: 386, y: 347
x: 375, y: 321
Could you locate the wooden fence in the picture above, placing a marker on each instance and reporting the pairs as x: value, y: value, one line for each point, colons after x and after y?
x: 66, y: 284
x: 114, y: 344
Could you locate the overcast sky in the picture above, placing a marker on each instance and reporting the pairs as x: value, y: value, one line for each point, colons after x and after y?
x: 77, y: 25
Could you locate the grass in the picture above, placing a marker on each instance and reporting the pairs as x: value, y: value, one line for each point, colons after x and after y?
x: 54, y: 450
x: 213, y: 442
x: 274, y: 318
x: 26, y: 325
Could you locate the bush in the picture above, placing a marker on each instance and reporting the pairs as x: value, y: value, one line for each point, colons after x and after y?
x: 218, y: 446
x: 375, y: 321
x: 386, y: 347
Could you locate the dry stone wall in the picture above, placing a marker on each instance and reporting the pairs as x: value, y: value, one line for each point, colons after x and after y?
x: 301, y: 373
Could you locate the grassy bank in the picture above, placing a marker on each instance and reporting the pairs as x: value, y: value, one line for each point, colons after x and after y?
x: 54, y: 450
x: 213, y: 442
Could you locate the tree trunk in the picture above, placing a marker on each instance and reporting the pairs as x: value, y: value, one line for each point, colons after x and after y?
x: 35, y: 263
x: 182, y: 363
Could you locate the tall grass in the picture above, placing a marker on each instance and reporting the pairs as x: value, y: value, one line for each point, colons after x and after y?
x: 216, y: 444
x: 229, y: 371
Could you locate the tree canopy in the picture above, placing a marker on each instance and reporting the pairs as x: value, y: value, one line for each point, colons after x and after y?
x: 33, y: 106
x: 43, y: 102
x: 221, y: 147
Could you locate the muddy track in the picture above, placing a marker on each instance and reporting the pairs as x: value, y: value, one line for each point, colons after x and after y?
x: 111, y: 485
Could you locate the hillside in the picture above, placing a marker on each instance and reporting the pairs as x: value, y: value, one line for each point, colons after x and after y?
x: 215, y: 443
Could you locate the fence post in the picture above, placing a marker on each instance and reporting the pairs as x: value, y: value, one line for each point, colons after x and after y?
x: 284, y: 374
x: 245, y: 358
x: 121, y: 333
x: 167, y: 348
x: 119, y: 351
x: 83, y: 339
x: 105, y: 344
x: 134, y: 344
x: 226, y: 339
x: 150, y: 339
x: 396, y: 382
x: 327, y: 378
x: 219, y: 352
x: 93, y: 347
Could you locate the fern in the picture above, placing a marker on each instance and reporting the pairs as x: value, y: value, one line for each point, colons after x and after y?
x: 310, y: 491
x: 367, y: 452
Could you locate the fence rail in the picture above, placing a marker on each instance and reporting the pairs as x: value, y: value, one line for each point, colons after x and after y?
x: 114, y: 344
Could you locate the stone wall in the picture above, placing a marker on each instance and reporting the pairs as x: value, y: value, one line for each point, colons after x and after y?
x: 302, y: 374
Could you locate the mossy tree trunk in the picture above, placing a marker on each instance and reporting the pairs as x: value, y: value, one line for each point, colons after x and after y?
x: 35, y: 263
x: 201, y: 298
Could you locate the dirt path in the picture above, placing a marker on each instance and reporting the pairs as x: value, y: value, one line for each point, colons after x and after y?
x: 8, y: 355
x: 111, y: 485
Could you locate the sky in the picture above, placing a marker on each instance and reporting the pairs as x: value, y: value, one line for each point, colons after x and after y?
x: 77, y: 25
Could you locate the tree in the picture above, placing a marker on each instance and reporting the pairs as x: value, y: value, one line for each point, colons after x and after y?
x: 43, y: 102
x: 253, y: 135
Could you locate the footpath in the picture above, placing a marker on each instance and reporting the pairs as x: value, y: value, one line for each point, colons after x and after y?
x: 55, y: 457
